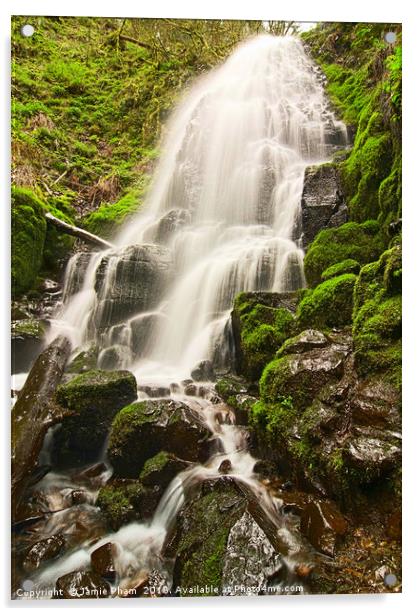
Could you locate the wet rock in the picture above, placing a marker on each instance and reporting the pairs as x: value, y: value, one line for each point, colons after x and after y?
x: 91, y: 472
x: 43, y: 551
x: 242, y: 404
x: 376, y: 403
x: 199, y: 540
x: 308, y: 340
x: 191, y: 389
x: 82, y: 585
x: 83, y: 361
x: 371, y: 457
x: 203, y: 371
x: 122, y: 501
x: 316, y: 368
x: 225, y: 467
x: 135, y: 586
x: 265, y: 468
x: 27, y: 341
x: 155, y: 391
x: 103, y: 561
x: 294, y: 501
x: 171, y: 221
x: 49, y: 286
x: 161, y: 469
x: 322, y: 201
x: 231, y: 385
x: 78, y: 497
x: 138, y: 274
x: 250, y: 559
x: 95, y: 397
x: 323, y: 525
x: 144, y: 428
x: 39, y: 473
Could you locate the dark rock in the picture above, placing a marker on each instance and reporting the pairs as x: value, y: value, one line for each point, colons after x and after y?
x: 43, y: 551
x: 371, y: 457
x: 191, y: 389
x: 265, y: 468
x: 124, y: 500
x: 203, y: 371
x: 308, y: 340
x: 95, y: 397
x: 171, y: 221
x: 242, y: 404
x: 82, y: 585
x: 231, y: 385
x: 225, y: 467
x: 143, y: 429
x: 155, y: 391
x: 83, y: 361
x: 323, y: 525
x: 78, y: 497
x: 27, y: 342
x: 376, y: 403
x: 161, y: 469
x: 138, y: 274
x: 103, y: 561
x: 294, y: 501
x: 322, y: 201
x: 38, y: 473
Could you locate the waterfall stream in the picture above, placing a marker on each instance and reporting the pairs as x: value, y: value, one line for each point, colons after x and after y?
x: 221, y: 217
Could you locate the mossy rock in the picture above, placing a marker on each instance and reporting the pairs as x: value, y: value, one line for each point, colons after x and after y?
x: 161, y: 469
x: 29, y: 229
x: 84, y: 361
x: 361, y: 242
x: 141, y: 430
x: 305, y: 341
x: 300, y: 377
x: 329, y: 304
x: 123, y: 501
x: 28, y: 328
x: 96, y: 397
x: 348, y: 266
x: 259, y: 330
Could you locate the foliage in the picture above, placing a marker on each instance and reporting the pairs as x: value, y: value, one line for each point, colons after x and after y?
x: 329, y: 304
x: 360, y: 242
x: 348, y: 266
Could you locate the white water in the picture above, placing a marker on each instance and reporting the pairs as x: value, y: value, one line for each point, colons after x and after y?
x: 232, y: 168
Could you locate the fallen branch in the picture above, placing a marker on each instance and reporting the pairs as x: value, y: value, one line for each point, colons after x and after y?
x: 34, y: 413
x: 82, y: 234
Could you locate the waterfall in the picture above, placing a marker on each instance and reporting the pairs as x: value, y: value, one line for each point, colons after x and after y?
x: 221, y: 216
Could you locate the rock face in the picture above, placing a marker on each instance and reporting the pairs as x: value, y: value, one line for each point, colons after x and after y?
x: 209, y: 530
x: 130, y: 281
x: 323, y: 525
x: 27, y: 340
x: 103, y: 561
x: 322, y: 201
x: 170, y: 222
x: 95, y: 397
x: 203, y: 371
x: 144, y: 428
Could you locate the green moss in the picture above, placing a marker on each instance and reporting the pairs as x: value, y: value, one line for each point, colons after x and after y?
x: 106, y: 220
x: 118, y: 503
x: 360, y: 242
x: 329, y: 304
x: 84, y: 361
x: 97, y: 389
x: 348, y: 266
x: 28, y: 328
x: 28, y: 238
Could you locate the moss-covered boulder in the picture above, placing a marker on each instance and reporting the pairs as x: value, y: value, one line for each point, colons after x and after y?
x: 29, y: 229
x: 361, y: 242
x: 84, y: 361
x: 330, y: 304
x: 348, y: 266
x: 96, y: 397
x: 143, y: 429
x: 307, y: 340
x: 261, y: 323
x: 301, y: 376
x: 219, y: 523
x: 127, y: 500
x: 26, y: 343
x: 161, y: 469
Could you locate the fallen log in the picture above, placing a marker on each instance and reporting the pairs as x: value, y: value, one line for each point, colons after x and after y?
x: 81, y: 234
x: 34, y: 413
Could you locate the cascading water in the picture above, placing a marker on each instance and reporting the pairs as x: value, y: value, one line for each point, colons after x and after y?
x: 221, y: 217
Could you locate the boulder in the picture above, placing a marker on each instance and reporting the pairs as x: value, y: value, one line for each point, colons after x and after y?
x: 375, y: 402
x: 323, y: 525
x: 322, y: 201
x: 371, y: 457
x: 307, y: 340
x: 129, y: 281
x: 122, y: 501
x: 203, y: 371
x: 161, y: 469
x: 141, y: 430
x: 170, y: 222
x: 82, y: 585
x: 27, y: 341
x: 103, y: 561
x: 95, y: 397
x: 43, y: 551
x: 83, y: 361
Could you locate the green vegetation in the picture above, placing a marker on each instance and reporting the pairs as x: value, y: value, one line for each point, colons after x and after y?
x: 329, y: 304
x: 364, y: 83
x: 118, y: 502
x: 360, y: 242
x: 348, y: 266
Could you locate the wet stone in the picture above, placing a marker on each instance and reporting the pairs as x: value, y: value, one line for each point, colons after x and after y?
x: 82, y: 585
x: 225, y: 467
x: 103, y: 561
x: 323, y: 525
x: 43, y: 551
x: 371, y: 457
x: 203, y: 371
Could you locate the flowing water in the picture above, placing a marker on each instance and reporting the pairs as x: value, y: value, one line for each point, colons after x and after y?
x: 221, y: 217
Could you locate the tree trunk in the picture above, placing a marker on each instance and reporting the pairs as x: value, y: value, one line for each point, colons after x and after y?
x: 34, y: 412
x: 86, y: 236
